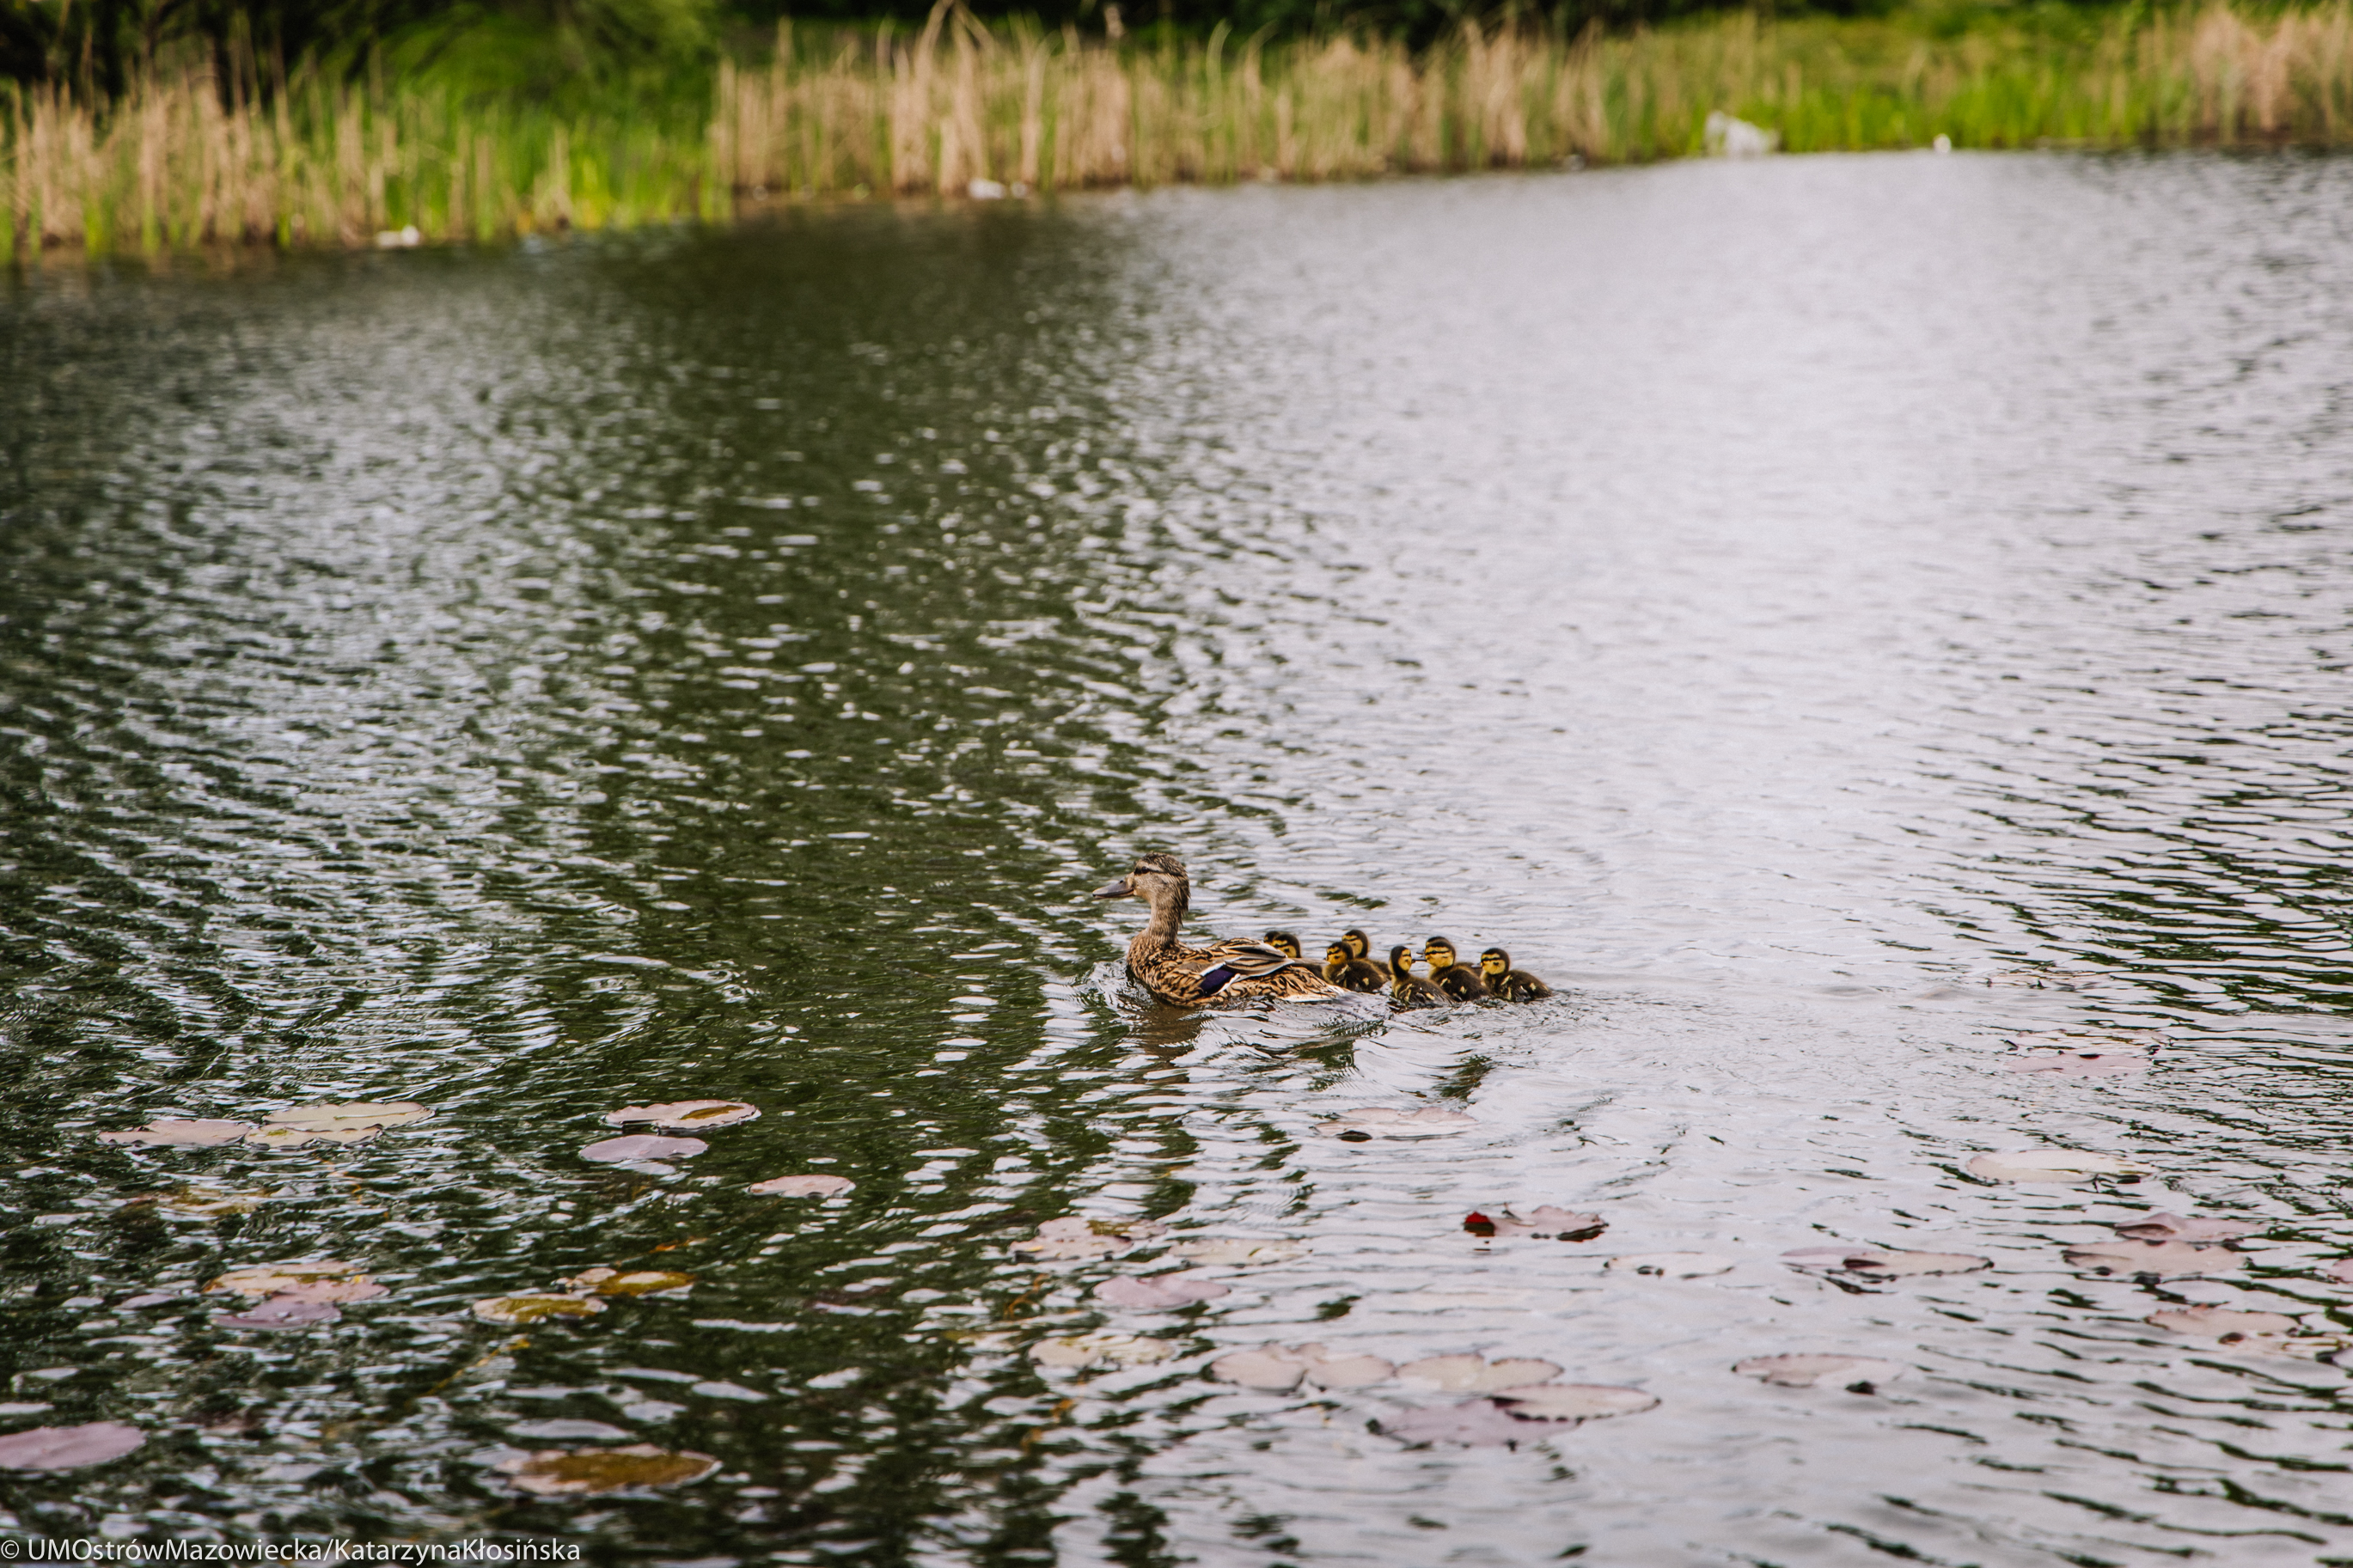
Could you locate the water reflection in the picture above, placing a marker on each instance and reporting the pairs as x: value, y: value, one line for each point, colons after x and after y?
x: 1768, y: 599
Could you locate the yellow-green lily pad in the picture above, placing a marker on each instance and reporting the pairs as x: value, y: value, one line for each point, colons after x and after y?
x: 272, y: 1278
x: 349, y: 1117
x: 690, y: 1113
x: 538, y: 1309
x: 630, y: 1282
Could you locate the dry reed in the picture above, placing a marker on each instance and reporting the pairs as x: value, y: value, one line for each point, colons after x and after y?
x: 185, y: 160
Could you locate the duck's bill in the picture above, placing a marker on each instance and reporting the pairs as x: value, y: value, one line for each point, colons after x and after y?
x: 1116, y: 889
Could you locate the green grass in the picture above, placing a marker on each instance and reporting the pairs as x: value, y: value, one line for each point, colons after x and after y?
x: 476, y: 137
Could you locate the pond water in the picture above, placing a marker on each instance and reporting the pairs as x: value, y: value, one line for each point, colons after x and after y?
x: 1830, y: 618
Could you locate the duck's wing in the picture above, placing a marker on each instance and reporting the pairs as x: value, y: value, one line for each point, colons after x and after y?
x: 1240, y: 960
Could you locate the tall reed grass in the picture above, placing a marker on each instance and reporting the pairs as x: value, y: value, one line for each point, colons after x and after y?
x: 186, y: 159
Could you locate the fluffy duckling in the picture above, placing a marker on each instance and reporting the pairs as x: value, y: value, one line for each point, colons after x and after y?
x: 1349, y: 972
x: 1511, y: 985
x: 1408, y: 989
x: 1225, y: 972
x: 1449, y: 975
x: 1360, y: 947
x: 1283, y: 942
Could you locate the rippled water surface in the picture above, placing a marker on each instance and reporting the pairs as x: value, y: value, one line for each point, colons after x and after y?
x: 1830, y: 618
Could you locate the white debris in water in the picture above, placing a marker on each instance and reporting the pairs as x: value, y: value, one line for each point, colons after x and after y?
x: 1730, y: 138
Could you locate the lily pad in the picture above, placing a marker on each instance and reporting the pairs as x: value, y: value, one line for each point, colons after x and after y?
x: 2161, y: 1259
x: 194, y: 1203
x: 688, y: 1113
x: 811, y: 1187
x: 593, y: 1473
x: 1160, y: 1292
x: 2179, y: 1227
x: 2223, y: 1323
x: 359, y: 1288
x: 1234, y: 1250
x: 1855, y: 1373
x: 1387, y: 1122
x: 1474, y: 1424
x: 1542, y: 1224
x: 642, y: 1146
x: 1672, y: 1265
x: 331, y: 1118
x: 297, y: 1137
x: 1573, y: 1401
x: 1100, y: 1350
x: 1475, y: 1374
x: 171, y: 1132
x: 281, y: 1313
x: 1278, y: 1367
x: 1270, y: 1367
x: 1882, y: 1263
x: 68, y: 1447
x: 1072, y: 1237
x: 536, y: 1309
x: 630, y: 1282
x: 2064, y: 1166
x: 1128, y: 1229
x: 270, y: 1279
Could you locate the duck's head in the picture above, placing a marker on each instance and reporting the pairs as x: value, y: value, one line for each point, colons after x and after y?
x: 1494, y: 964
x: 1337, y: 953
x: 1401, y: 959
x: 1439, y: 951
x: 1283, y: 942
x: 1151, y: 878
x: 1359, y: 944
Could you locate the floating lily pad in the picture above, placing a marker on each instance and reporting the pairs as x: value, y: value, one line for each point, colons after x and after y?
x: 270, y: 1279
x: 2163, y: 1259
x: 1672, y: 1265
x: 1160, y: 1292
x: 1233, y: 1250
x: 1072, y: 1237
x: 536, y: 1309
x: 1474, y: 1424
x: 593, y: 1473
x: 1278, y: 1367
x: 350, y: 1118
x: 2064, y: 1166
x: 813, y: 1187
x: 1475, y: 1374
x: 2223, y: 1323
x: 68, y: 1447
x: 1100, y: 1350
x: 630, y: 1282
x: 1882, y: 1263
x: 1573, y: 1401
x: 1128, y: 1229
x: 688, y: 1113
x: 1855, y: 1373
x: 2179, y: 1227
x: 171, y: 1132
x: 1386, y: 1122
x: 281, y: 1313
x: 1544, y: 1223
x: 642, y: 1146
x: 197, y: 1202
x: 359, y: 1288
x: 279, y: 1137
x: 2079, y: 1064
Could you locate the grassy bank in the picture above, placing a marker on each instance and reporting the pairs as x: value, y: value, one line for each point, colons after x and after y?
x: 186, y: 159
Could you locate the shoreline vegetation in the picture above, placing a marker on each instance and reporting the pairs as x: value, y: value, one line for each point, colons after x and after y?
x: 190, y: 157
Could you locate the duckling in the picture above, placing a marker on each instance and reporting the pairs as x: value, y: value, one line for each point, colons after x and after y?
x: 1283, y: 942
x: 1457, y: 979
x: 1360, y: 947
x: 1225, y: 972
x: 1511, y: 985
x: 1349, y: 972
x: 1408, y: 989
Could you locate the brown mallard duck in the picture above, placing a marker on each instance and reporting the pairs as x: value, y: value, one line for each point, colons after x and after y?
x: 1408, y: 989
x: 1511, y: 985
x: 1283, y: 942
x: 1449, y: 975
x: 1223, y: 973
x: 1360, y: 947
x: 1349, y: 972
